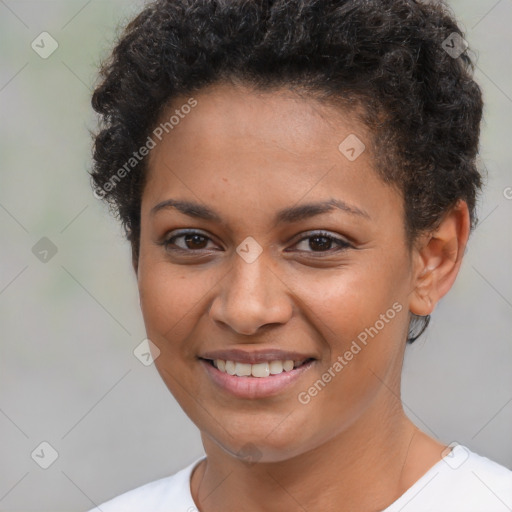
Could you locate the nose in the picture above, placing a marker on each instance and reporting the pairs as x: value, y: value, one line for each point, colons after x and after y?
x: 251, y: 296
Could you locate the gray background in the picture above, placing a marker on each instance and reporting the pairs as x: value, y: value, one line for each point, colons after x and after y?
x: 69, y: 326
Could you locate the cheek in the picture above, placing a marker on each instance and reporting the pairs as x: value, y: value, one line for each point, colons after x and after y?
x: 168, y: 299
x: 361, y: 316
x: 169, y: 302
x: 345, y: 302
x: 164, y: 298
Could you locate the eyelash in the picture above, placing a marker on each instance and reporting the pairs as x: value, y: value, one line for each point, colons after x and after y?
x: 342, y: 244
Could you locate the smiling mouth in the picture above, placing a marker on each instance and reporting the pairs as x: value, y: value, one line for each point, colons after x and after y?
x: 260, y: 370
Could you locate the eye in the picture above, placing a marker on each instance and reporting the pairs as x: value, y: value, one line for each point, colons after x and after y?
x: 192, y: 241
x: 189, y: 241
x: 323, y: 242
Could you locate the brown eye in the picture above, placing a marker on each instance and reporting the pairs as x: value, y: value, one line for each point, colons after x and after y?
x: 323, y: 242
x: 195, y: 241
x: 188, y: 241
x: 320, y: 243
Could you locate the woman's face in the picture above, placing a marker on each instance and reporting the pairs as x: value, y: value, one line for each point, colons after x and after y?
x: 270, y: 273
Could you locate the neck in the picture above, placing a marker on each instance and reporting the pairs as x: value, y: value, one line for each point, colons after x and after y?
x: 365, y: 468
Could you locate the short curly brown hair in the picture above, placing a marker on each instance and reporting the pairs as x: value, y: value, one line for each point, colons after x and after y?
x: 391, y: 57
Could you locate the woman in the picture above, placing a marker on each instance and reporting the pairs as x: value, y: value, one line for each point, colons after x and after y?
x: 297, y: 180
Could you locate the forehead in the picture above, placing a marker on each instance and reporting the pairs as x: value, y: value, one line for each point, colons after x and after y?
x: 261, y: 148
x: 228, y: 114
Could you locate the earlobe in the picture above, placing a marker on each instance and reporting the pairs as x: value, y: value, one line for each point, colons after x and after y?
x: 438, y: 257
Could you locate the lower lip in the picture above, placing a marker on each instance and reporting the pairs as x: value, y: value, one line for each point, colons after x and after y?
x: 255, y: 387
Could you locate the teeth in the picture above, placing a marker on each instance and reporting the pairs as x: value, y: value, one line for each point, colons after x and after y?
x: 276, y: 367
x: 260, y: 370
x: 288, y: 365
x: 256, y: 370
x: 230, y: 367
x: 242, y: 369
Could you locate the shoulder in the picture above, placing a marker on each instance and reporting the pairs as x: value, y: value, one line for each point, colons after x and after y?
x: 462, y: 481
x: 169, y: 493
x: 489, y: 480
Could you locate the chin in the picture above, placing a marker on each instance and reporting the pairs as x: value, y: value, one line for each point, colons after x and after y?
x: 262, y: 444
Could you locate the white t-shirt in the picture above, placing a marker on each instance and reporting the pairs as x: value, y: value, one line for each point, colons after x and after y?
x: 461, y: 482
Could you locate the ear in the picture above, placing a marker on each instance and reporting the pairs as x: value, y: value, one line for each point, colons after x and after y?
x: 437, y: 258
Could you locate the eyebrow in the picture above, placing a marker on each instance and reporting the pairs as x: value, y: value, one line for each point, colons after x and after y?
x: 286, y: 215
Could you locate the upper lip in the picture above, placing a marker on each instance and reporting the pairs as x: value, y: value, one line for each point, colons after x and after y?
x: 254, y: 356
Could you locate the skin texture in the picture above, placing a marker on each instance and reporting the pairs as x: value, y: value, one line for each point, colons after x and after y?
x: 247, y: 155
